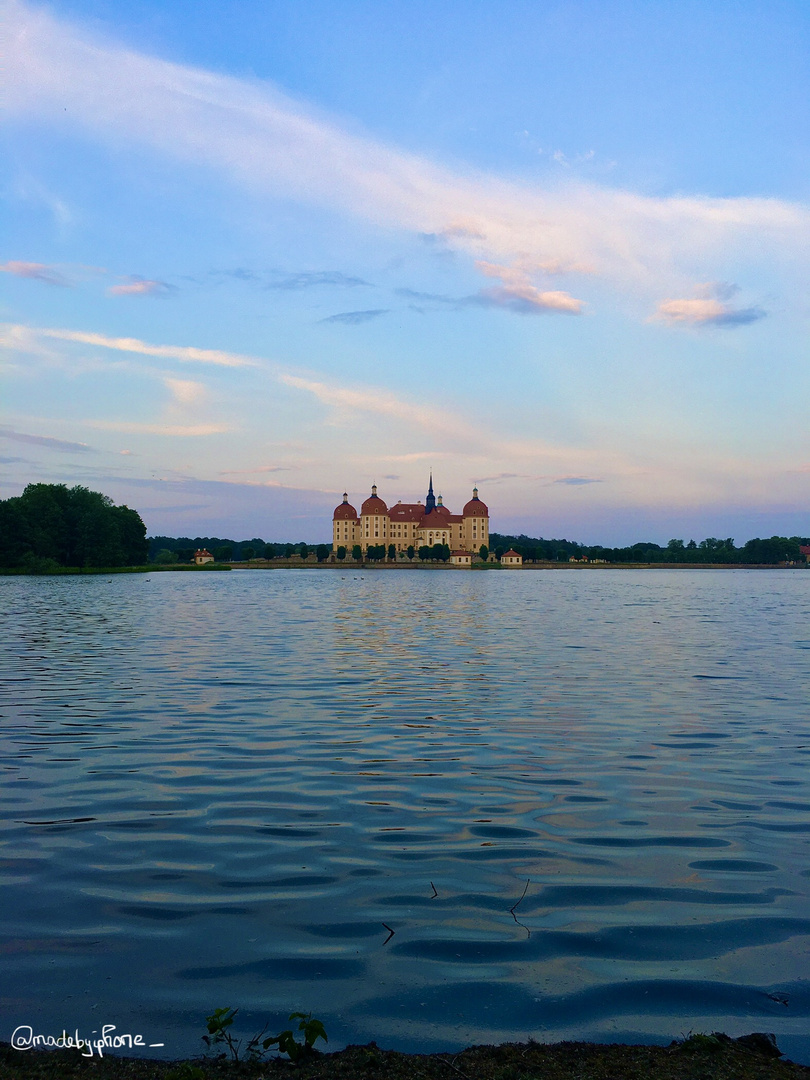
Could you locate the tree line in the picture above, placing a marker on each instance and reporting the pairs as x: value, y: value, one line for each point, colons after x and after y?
x: 775, y: 549
x: 51, y: 525
x: 180, y: 549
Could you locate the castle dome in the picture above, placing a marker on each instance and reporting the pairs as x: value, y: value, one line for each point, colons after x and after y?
x: 345, y: 512
x: 475, y: 507
x: 373, y: 504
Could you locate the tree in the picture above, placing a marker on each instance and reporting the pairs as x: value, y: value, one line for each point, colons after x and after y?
x: 303, y: 551
x: 289, y: 551
x: 269, y: 551
x: 775, y: 550
x: 71, y: 527
x: 165, y: 557
x: 440, y: 552
x: 248, y: 553
x: 185, y: 554
x: 410, y: 552
x: 392, y: 552
x: 425, y: 553
x: 223, y: 553
x: 341, y: 553
x: 483, y: 552
x: 357, y: 553
x: 322, y: 552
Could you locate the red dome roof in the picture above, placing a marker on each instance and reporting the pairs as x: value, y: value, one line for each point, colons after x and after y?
x: 373, y: 504
x: 475, y: 508
x: 345, y: 512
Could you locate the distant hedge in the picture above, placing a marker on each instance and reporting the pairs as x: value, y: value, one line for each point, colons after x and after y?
x: 53, y: 525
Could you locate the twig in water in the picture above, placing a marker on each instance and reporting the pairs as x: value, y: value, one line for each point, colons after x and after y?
x: 390, y: 933
x: 512, y: 909
x: 435, y: 894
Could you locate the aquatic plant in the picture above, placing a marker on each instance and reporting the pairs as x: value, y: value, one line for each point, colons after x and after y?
x: 220, y: 1020
x: 312, y: 1030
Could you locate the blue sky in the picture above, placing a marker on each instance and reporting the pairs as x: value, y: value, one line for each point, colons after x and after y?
x: 258, y: 253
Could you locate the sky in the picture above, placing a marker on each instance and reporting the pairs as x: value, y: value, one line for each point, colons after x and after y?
x: 256, y: 253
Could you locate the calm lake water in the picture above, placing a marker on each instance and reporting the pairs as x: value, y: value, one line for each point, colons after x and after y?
x: 221, y: 789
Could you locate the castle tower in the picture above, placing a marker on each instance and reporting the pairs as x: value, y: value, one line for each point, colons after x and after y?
x: 430, y: 501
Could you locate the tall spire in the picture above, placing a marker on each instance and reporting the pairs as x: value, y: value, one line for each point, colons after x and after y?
x: 430, y: 501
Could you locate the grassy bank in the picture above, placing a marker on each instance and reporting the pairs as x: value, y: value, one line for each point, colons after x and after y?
x: 701, y: 1057
x: 153, y: 568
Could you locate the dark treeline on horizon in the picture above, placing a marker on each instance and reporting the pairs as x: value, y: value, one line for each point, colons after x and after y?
x: 51, y: 525
x: 225, y: 550
x: 776, y: 549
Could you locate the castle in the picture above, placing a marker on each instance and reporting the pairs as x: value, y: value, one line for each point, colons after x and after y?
x: 410, y: 524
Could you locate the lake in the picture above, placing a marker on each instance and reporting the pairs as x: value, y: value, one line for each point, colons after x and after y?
x: 434, y: 808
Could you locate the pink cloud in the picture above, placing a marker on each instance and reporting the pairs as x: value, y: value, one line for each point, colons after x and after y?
x: 36, y: 271
x: 140, y: 287
x: 519, y: 294
x: 705, y: 311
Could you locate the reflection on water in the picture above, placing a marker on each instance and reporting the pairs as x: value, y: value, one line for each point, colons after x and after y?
x: 222, y: 789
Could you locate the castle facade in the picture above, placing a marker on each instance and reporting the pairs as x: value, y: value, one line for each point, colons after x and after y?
x: 410, y: 524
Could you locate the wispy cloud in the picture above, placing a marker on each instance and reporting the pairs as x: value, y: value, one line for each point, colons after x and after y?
x: 382, y: 404
x: 138, y: 286
x: 528, y: 300
x: 705, y: 311
x: 185, y: 391
x: 352, y: 318
x: 576, y: 481
x: 181, y: 430
x: 184, y: 353
x: 317, y: 278
x: 258, y: 469
x: 268, y: 143
x: 35, y: 271
x: 45, y: 440
x: 519, y: 294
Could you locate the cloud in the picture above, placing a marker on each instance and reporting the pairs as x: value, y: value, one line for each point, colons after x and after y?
x: 352, y: 318
x: 180, y: 430
x: 705, y: 311
x: 185, y: 391
x: 259, y: 469
x: 137, y: 286
x: 500, y: 476
x: 521, y: 297
x: 381, y: 403
x: 519, y: 294
x: 269, y: 144
x: 44, y: 440
x: 575, y: 481
x: 185, y: 353
x: 527, y: 300
x: 36, y: 271
x: 321, y: 277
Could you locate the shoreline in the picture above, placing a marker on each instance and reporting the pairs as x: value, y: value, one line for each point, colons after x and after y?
x: 290, y: 564
x: 750, y: 1057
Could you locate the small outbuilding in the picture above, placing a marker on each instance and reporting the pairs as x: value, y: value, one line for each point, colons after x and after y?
x: 511, y: 558
x: 202, y: 555
x: 461, y: 558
